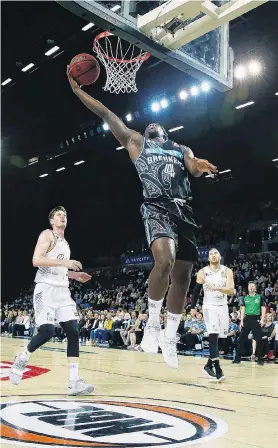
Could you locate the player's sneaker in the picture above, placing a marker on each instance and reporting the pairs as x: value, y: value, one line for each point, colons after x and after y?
x: 80, y: 387
x: 236, y: 361
x: 219, y: 377
x: 260, y: 362
x: 169, y: 350
x: 18, y: 368
x: 150, y: 339
x: 209, y: 372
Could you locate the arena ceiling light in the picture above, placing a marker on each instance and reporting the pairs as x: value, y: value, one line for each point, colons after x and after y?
x: 128, y: 117
x: 274, y: 160
x: 240, y: 72
x: 175, y: 129
x: 183, y: 94
x: 44, y: 175
x: 27, y: 67
x: 254, y: 68
x: 79, y: 162
x: 194, y: 91
x: 4, y: 83
x: 105, y: 126
x: 164, y: 103
x: 241, y: 106
x: 115, y: 8
x: 276, y: 93
x: 52, y: 50
x: 119, y: 148
x: 205, y: 86
x: 88, y: 26
x: 61, y: 169
x: 225, y: 171
x: 155, y: 107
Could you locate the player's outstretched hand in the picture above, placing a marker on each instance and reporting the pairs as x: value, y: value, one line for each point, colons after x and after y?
x: 73, y: 265
x: 74, y: 85
x: 83, y: 277
x: 204, y: 166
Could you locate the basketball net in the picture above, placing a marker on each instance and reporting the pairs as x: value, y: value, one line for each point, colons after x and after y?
x: 121, y: 66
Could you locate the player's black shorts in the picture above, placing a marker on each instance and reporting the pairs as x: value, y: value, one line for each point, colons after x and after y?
x: 173, y: 219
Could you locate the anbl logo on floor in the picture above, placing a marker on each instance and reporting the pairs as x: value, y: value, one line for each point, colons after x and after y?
x: 104, y: 424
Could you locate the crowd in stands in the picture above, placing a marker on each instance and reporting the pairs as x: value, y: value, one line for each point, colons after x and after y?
x: 112, y: 308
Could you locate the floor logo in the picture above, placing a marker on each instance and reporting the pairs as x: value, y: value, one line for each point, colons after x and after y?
x: 30, y: 371
x: 104, y: 424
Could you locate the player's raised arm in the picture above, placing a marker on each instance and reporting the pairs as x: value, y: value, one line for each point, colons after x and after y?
x: 44, y: 244
x: 195, y: 166
x: 128, y: 138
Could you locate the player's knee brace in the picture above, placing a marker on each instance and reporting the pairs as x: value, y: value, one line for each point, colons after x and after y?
x: 213, y: 346
x: 46, y: 332
x: 72, y: 333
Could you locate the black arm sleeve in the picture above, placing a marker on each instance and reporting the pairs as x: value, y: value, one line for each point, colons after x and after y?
x: 262, y: 300
x: 196, y: 293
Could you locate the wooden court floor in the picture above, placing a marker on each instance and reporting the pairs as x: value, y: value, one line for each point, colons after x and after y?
x: 138, y: 402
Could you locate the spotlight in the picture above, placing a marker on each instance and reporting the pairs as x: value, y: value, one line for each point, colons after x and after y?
x: 205, y: 86
x: 155, y: 107
x: 276, y: 93
x: 128, y: 117
x: 43, y: 175
x: 79, y: 162
x: 25, y: 69
x: 164, y: 103
x: 6, y: 82
x: 115, y: 8
x: 88, y: 26
x: 61, y: 169
x: 241, y: 106
x: 240, y: 72
x: 105, y: 126
x: 52, y: 50
x: 183, y: 94
x: 254, y: 67
x: 119, y: 148
x: 175, y: 129
x: 194, y: 91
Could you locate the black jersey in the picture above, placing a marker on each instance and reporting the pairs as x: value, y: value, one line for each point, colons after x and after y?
x: 162, y: 171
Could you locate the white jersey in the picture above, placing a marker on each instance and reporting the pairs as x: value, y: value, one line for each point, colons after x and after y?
x: 215, y: 278
x: 56, y: 275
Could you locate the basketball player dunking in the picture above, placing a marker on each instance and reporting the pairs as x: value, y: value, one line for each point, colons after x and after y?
x: 217, y: 282
x: 52, y: 300
x: 163, y: 168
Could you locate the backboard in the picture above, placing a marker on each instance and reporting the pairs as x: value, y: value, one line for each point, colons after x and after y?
x: 191, y: 35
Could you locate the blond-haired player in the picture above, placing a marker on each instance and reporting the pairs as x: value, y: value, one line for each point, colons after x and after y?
x: 52, y: 299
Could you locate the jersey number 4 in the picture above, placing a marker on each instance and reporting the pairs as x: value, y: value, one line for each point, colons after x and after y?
x: 169, y: 169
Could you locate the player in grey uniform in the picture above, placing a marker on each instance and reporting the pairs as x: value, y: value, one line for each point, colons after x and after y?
x: 52, y: 300
x: 217, y: 282
x: 163, y: 168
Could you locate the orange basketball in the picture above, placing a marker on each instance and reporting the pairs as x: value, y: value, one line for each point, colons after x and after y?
x: 84, y: 69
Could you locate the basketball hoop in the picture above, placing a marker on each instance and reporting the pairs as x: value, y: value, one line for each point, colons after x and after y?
x: 122, y: 65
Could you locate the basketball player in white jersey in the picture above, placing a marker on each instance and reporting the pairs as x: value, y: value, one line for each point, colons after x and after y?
x: 217, y: 282
x: 52, y: 300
